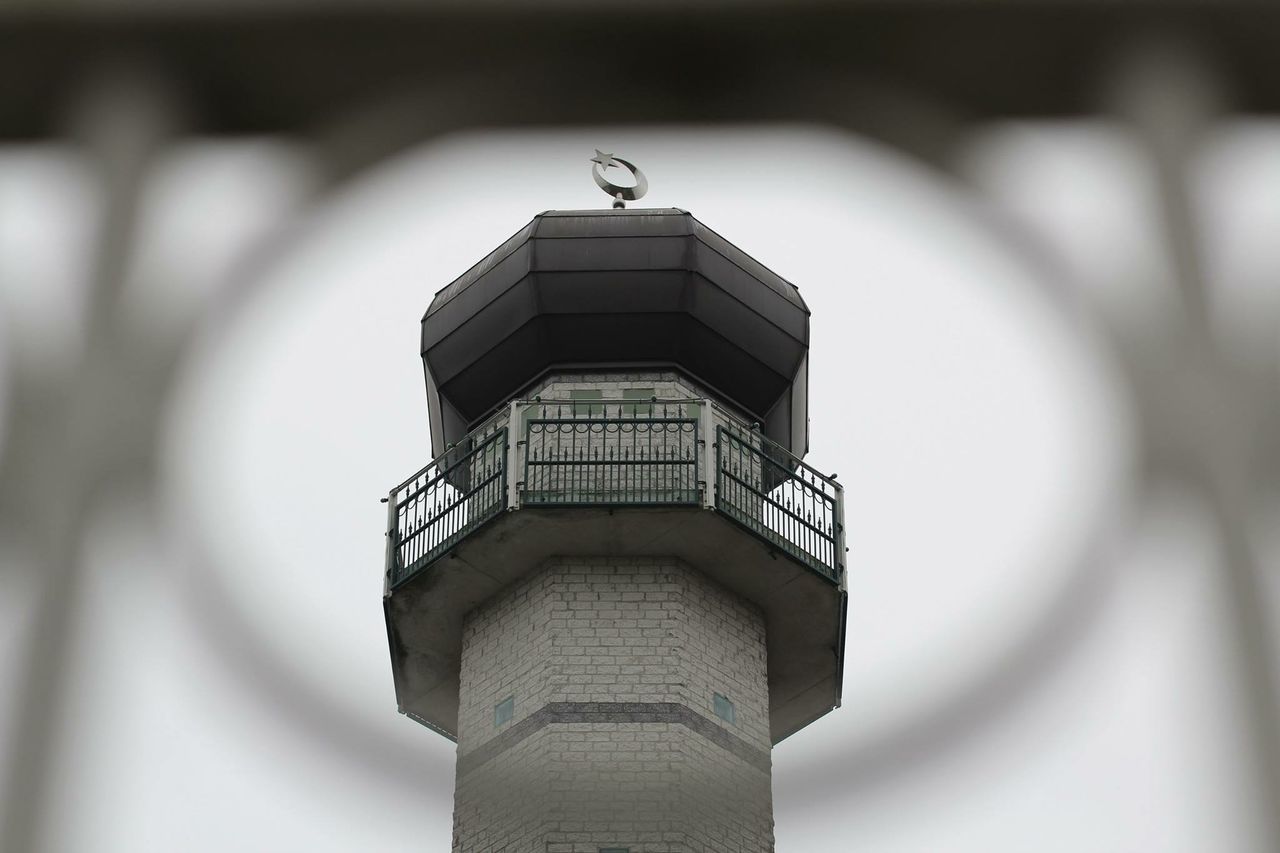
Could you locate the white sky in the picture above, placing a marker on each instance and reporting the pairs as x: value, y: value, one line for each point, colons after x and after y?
x: 956, y: 387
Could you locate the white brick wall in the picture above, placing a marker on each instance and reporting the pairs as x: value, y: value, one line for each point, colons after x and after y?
x: 650, y: 632
x: 667, y: 385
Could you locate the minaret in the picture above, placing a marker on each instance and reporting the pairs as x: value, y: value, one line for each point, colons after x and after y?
x: 617, y: 586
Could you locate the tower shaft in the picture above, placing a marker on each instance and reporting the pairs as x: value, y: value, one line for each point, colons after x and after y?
x: 614, y: 703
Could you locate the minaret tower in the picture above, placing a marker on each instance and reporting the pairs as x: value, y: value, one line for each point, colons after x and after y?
x: 617, y: 585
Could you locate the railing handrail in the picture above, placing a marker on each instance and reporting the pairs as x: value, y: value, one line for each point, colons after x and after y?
x: 605, y: 419
x: 540, y: 400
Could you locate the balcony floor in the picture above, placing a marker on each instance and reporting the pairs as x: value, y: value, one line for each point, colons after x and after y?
x: 803, y: 610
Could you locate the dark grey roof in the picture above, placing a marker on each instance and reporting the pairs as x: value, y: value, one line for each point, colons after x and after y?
x: 617, y: 287
x: 641, y: 222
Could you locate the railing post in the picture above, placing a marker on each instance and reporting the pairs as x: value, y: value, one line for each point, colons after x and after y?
x: 839, y: 535
x: 391, y: 542
x: 513, y: 456
x: 707, y: 426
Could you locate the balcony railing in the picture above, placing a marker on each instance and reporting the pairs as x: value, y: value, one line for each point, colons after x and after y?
x: 438, y: 506
x: 779, y: 498
x: 638, y: 453
x: 632, y: 453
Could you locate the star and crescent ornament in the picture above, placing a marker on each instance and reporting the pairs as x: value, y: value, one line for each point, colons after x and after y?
x: 621, y: 194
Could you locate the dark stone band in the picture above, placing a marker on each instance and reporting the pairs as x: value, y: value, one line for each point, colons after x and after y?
x: 616, y: 712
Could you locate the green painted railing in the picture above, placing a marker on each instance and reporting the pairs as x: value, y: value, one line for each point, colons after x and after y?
x: 788, y: 504
x: 442, y: 504
x: 616, y: 453
x: 611, y: 453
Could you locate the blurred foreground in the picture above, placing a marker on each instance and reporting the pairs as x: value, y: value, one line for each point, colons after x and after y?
x: 1049, y: 383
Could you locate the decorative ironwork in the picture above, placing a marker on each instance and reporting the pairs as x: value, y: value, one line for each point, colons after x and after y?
x: 440, y: 505
x: 788, y: 504
x: 616, y: 453
x: 606, y: 453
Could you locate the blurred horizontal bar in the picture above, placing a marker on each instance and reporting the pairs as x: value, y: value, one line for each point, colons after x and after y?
x: 278, y: 68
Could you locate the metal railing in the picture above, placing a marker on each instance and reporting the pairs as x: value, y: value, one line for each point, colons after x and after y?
x: 793, y: 507
x: 635, y: 453
x: 441, y: 504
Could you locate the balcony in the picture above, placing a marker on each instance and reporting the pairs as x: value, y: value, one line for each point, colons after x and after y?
x: 549, y: 454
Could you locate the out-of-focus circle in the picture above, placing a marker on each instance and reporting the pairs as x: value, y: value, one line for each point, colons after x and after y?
x: 971, y: 424
x: 49, y: 208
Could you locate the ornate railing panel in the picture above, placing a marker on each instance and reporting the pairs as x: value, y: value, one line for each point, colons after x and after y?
x: 780, y: 499
x: 629, y: 453
x: 442, y: 503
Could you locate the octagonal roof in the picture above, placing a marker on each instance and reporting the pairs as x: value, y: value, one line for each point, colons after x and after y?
x: 610, y: 288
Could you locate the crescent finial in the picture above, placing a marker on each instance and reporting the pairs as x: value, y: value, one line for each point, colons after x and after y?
x: 621, y: 194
